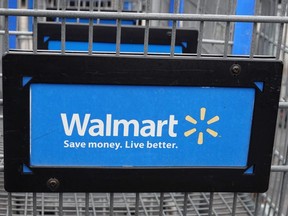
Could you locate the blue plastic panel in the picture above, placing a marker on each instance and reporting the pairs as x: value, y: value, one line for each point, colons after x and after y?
x: 12, y: 21
x: 171, y: 9
x: 243, y: 31
x: 111, y: 47
x: 139, y: 126
x: 101, y: 21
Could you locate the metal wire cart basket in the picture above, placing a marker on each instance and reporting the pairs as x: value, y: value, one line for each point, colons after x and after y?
x: 223, y: 28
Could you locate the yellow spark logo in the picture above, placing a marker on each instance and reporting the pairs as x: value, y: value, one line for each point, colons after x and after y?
x: 202, y: 118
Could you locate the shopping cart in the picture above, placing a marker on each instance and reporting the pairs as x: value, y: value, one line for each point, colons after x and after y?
x: 218, y: 23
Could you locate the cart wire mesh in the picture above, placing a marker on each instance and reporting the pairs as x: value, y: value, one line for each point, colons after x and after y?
x: 216, y: 22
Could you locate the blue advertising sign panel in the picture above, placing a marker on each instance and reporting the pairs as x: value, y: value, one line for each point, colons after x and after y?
x: 104, y: 39
x: 127, y: 126
x: 123, y: 124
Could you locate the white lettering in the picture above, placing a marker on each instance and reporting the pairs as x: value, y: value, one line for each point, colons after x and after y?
x: 112, y: 145
x: 172, y: 123
x: 160, y: 125
x: 76, y: 145
x: 99, y: 126
x: 126, y: 125
x: 119, y: 127
x: 108, y: 124
x: 81, y: 128
x: 148, y: 130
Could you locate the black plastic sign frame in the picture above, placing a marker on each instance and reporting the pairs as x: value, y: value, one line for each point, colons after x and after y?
x: 153, y: 71
x: 185, y: 38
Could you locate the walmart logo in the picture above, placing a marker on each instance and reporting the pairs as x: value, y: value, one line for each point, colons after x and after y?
x: 208, y: 129
x: 109, y: 126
